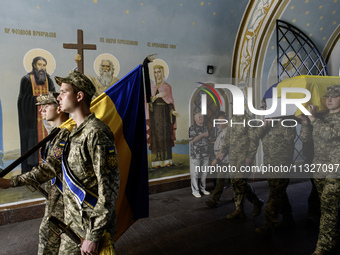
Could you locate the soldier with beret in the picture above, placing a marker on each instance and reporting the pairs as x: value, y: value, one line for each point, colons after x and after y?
x: 50, y: 110
x: 325, y: 132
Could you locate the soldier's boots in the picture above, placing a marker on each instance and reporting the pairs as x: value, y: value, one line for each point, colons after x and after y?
x: 265, y: 230
x: 258, y: 207
x: 239, y: 214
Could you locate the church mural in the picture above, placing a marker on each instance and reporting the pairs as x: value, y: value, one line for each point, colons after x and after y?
x: 31, y: 124
x: 161, y: 117
x: 116, y: 36
x: 106, y: 67
x: 107, y: 39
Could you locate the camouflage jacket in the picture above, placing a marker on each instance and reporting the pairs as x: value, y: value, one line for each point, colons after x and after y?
x: 92, y: 159
x: 46, y: 171
x: 325, y: 133
x: 218, y: 144
x: 237, y: 139
x: 278, y: 144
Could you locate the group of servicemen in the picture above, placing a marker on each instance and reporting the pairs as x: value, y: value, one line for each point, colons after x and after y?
x: 237, y: 146
x: 81, y: 166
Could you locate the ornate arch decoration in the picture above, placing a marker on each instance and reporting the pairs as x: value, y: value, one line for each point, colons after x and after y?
x: 256, y: 29
x: 304, y: 57
x: 332, y: 41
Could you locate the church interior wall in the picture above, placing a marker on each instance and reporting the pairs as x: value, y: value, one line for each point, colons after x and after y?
x: 187, y: 36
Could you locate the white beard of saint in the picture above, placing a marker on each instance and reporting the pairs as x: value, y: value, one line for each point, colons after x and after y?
x: 106, y: 78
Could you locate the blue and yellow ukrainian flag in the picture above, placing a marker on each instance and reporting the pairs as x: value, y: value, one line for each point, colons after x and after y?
x: 121, y: 107
x: 315, y: 84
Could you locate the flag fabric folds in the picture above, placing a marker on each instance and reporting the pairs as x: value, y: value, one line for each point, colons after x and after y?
x: 316, y: 85
x: 121, y: 107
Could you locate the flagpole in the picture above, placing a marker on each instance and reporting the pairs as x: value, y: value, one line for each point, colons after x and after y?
x: 146, y: 62
x: 29, y: 153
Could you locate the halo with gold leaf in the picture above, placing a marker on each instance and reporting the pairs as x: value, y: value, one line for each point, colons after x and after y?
x: 161, y: 62
x: 110, y: 57
x: 31, y: 54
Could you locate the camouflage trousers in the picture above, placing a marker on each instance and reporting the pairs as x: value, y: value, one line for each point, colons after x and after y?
x: 221, y: 180
x: 68, y: 246
x: 329, y: 193
x: 278, y: 201
x: 49, y: 242
x: 314, y: 201
x: 241, y: 190
x: 218, y: 190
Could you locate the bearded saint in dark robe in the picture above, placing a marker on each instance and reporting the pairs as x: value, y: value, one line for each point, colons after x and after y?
x: 31, y: 125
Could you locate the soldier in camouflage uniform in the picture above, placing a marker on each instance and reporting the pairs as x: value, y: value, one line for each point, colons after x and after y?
x: 237, y: 139
x: 221, y: 176
x: 278, y: 149
x: 48, y: 242
x: 90, y: 160
x: 325, y: 131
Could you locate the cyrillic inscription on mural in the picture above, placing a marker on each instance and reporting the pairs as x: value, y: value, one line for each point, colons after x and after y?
x: 28, y: 32
x: 118, y: 41
x: 161, y: 45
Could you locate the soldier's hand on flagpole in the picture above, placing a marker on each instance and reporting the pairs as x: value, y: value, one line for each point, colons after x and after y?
x: 89, y: 247
x: 5, y: 183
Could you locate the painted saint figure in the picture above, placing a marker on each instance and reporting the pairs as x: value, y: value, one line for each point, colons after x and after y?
x: 161, y: 121
x: 106, y: 78
x: 31, y: 125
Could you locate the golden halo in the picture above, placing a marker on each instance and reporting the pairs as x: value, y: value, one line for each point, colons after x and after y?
x: 31, y: 54
x: 110, y: 57
x: 161, y: 62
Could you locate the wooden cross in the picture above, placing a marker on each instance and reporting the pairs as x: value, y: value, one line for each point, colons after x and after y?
x: 80, y: 46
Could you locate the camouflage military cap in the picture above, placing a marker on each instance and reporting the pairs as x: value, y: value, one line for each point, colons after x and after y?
x: 333, y: 91
x: 79, y: 80
x: 50, y: 98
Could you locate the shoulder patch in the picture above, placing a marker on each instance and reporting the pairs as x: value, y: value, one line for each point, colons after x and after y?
x: 58, y: 150
x: 111, y: 158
